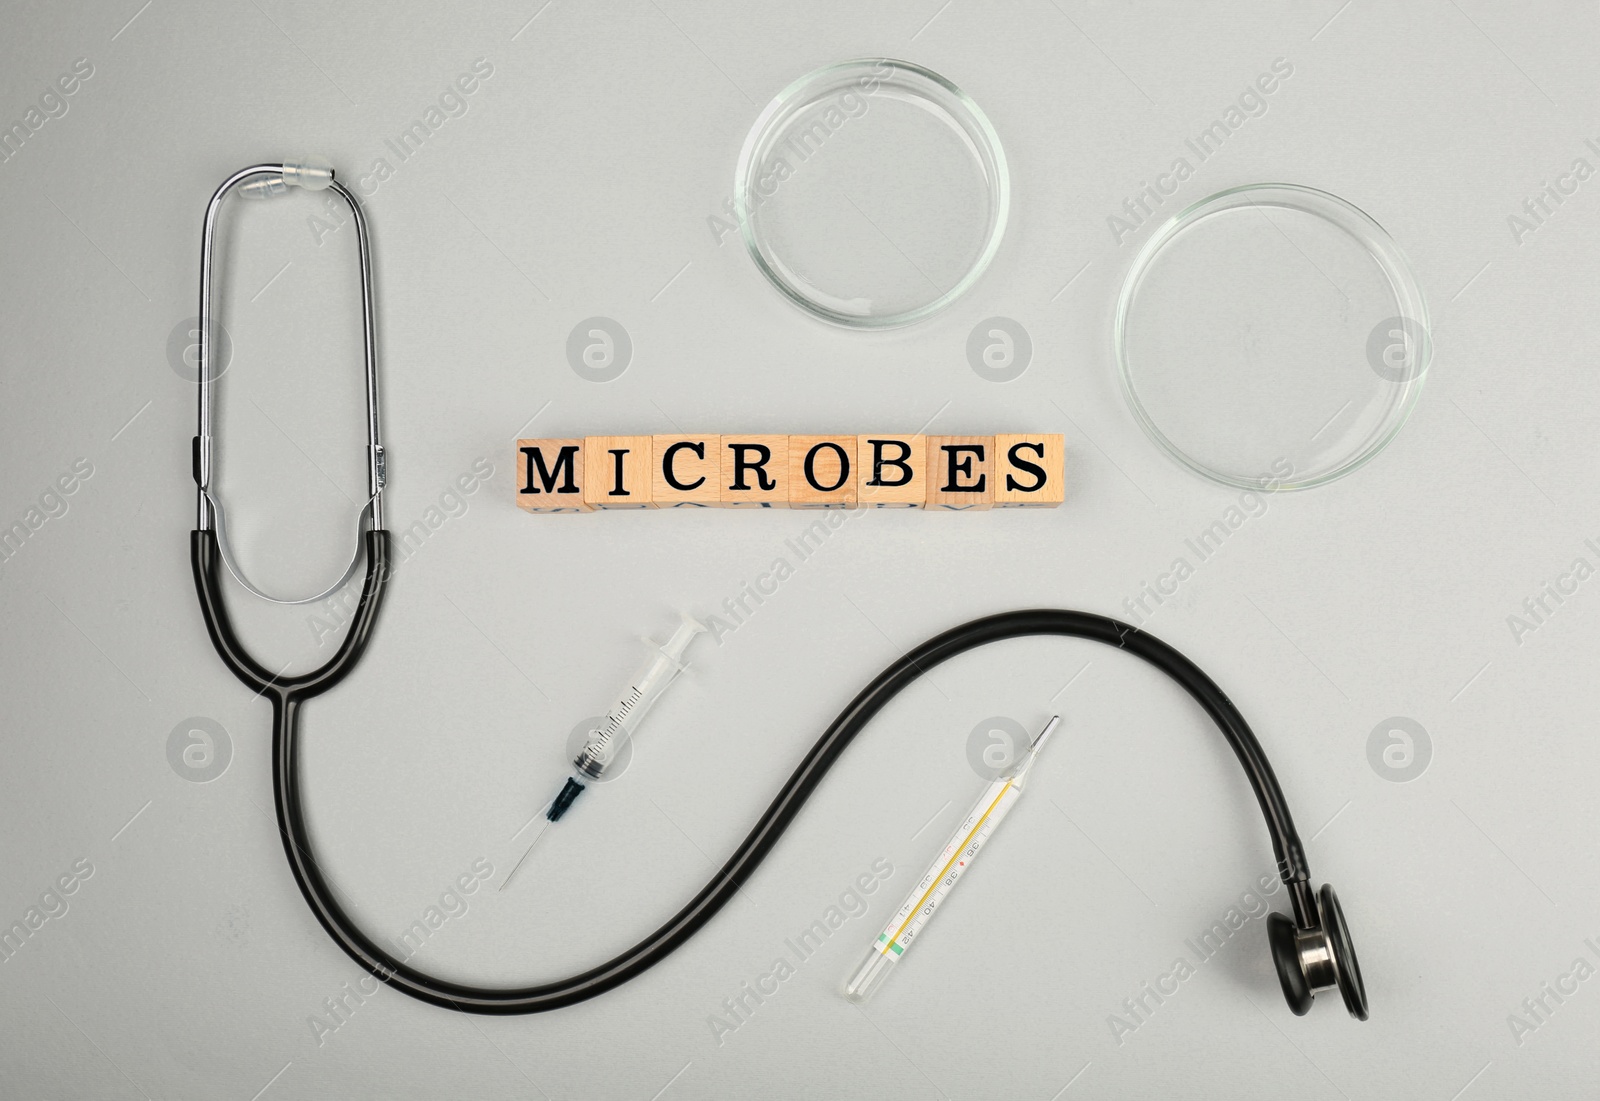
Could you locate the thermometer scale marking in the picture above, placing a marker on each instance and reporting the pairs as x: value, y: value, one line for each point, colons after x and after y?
x: 957, y: 856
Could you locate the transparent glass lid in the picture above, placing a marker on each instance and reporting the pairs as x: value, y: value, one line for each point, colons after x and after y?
x: 1272, y: 335
x: 872, y: 193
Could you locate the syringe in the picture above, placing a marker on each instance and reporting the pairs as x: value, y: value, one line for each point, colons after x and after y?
x: 605, y: 741
x: 992, y: 806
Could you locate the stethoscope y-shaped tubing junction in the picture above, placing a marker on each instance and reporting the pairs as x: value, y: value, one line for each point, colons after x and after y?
x: 287, y: 695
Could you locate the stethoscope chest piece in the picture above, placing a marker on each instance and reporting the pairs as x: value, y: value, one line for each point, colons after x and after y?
x: 1318, y: 958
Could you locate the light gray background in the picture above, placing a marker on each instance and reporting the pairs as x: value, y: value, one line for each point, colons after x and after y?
x: 579, y: 183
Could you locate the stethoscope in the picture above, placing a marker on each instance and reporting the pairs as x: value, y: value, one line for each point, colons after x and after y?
x: 1312, y: 951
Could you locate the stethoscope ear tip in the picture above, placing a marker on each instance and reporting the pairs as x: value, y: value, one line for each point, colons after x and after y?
x: 311, y: 173
x: 308, y: 173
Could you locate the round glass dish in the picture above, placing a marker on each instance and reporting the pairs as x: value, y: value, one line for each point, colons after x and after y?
x: 872, y: 193
x: 1272, y: 336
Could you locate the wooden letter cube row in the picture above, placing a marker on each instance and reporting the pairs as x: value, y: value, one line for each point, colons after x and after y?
x: 949, y: 473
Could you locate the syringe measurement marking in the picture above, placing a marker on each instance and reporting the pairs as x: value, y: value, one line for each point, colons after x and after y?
x: 894, y: 940
x: 614, y: 721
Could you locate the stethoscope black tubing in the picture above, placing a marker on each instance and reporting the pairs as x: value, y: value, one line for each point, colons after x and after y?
x: 287, y: 694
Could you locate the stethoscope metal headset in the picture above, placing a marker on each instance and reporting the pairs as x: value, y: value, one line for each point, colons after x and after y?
x: 1312, y: 950
x: 265, y: 180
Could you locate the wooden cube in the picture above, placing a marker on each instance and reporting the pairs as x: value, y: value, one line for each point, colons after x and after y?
x: 960, y: 473
x: 616, y: 472
x: 685, y: 471
x: 822, y: 472
x: 1030, y: 471
x: 755, y: 472
x: 550, y: 476
x: 892, y: 471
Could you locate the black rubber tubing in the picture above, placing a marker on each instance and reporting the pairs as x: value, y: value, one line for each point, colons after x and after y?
x: 287, y: 694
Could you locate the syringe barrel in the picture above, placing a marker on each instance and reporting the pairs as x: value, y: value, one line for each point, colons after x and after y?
x: 941, y: 877
x: 605, y: 742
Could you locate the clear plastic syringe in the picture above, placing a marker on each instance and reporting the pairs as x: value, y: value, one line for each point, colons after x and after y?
x: 992, y: 806
x: 605, y: 741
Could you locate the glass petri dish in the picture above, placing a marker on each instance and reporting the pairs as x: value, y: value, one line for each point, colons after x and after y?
x: 1272, y: 336
x: 872, y: 193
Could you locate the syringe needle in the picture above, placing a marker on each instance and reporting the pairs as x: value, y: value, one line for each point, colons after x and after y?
x: 525, y: 854
x: 553, y: 812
